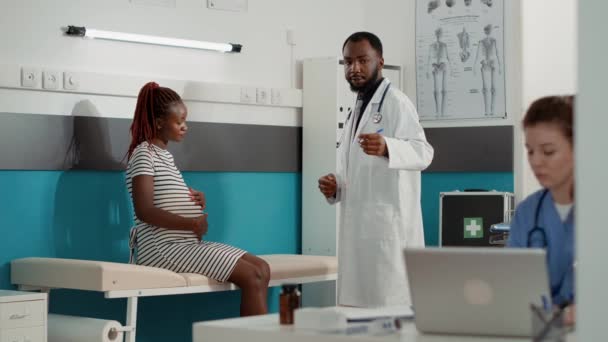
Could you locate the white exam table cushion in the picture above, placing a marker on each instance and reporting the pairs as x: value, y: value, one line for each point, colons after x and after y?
x: 90, y: 275
x: 282, y: 266
x: 109, y: 276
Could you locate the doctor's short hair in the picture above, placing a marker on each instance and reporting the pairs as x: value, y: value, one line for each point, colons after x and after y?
x: 373, y: 40
x: 558, y: 110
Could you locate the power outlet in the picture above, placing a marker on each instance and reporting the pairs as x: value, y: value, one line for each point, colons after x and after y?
x: 248, y: 95
x: 275, y: 97
x: 51, y: 79
x: 30, y: 77
x: 291, y: 37
x: 262, y: 96
x: 228, y: 5
x: 70, y: 81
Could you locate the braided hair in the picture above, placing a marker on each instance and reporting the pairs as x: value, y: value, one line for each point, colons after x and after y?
x: 153, y: 102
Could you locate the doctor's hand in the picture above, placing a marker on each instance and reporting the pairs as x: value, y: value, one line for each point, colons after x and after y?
x: 373, y: 144
x: 200, y: 226
x: 328, y: 185
x: 569, y: 318
x: 198, y: 198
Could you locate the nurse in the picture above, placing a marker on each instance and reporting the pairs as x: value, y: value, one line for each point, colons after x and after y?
x: 546, y: 218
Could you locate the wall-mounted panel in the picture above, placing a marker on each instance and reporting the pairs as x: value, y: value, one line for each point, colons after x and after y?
x: 471, y: 149
x: 52, y: 142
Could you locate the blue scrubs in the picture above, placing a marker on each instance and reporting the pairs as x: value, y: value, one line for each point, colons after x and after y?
x: 558, y: 239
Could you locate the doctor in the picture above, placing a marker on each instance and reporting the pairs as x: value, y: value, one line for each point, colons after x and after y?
x: 546, y: 218
x: 377, y: 182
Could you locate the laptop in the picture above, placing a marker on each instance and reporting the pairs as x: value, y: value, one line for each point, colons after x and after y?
x: 476, y: 291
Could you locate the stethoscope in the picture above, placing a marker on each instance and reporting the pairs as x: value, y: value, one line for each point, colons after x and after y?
x: 376, y: 118
x: 536, y: 228
x: 540, y: 231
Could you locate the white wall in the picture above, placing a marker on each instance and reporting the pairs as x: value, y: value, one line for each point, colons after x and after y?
x: 549, y: 60
x: 401, y: 18
x: 591, y: 164
x: 394, y: 22
x: 540, y: 48
x: 30, y: 35
x: 540, y: 45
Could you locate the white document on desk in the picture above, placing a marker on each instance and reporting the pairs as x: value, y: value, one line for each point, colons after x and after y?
x: 364, y: 314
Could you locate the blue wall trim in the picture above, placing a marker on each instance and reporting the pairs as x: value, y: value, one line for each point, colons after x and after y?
x: 88, y: 214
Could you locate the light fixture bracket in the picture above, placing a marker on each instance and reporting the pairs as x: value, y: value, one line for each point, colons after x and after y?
x: 79, y: 31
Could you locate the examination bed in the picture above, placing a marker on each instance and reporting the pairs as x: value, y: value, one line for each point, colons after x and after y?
x: 118, y: 280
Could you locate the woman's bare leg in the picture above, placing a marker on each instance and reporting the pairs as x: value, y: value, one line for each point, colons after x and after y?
x: 253, y: 282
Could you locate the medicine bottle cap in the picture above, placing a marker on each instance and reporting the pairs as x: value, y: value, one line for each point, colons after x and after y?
x: 289, y: 287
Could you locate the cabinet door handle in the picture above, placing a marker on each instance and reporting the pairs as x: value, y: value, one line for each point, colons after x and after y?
x: 17, y: 316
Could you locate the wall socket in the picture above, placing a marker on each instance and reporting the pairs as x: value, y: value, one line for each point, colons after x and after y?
x: 51, y: 79
x: 248, y: 95
x: 262, y: 96
x: 275, y: 97
x: 228, y: 5
x: 70, y: 81
x: 30, y: 77
x: 291, y: 37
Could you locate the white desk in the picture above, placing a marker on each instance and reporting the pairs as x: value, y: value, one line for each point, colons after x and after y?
x: 267, y: 329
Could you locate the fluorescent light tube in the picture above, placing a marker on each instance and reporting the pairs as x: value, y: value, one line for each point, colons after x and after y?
x: 80, y: 31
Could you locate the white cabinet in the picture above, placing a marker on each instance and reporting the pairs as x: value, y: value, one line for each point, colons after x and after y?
x: 327, y: 100
x: 23, y: 316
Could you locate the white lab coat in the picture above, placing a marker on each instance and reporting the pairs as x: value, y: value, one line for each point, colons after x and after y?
x: 380, y: 203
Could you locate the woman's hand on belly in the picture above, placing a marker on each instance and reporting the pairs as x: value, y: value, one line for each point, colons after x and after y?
x: 200, y: 226
x: 198, y: 198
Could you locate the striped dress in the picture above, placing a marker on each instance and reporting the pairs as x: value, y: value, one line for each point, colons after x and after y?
x: 176, y: 250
